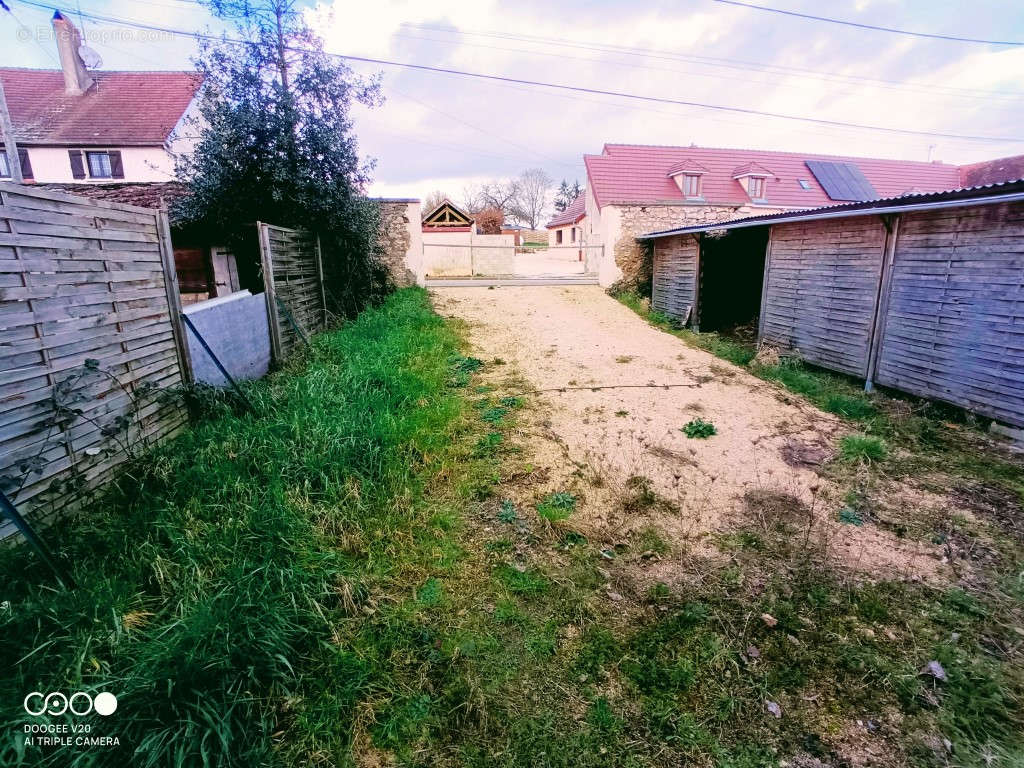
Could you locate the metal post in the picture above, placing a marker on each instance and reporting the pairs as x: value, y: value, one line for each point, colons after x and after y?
x: 11, y: 512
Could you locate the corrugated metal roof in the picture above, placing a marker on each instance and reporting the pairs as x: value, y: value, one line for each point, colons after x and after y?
x: 986, y: 194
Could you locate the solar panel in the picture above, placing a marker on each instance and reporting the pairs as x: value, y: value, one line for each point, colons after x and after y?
x: 842, y: 181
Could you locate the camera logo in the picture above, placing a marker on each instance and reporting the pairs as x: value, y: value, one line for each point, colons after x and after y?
x: 79, y: 703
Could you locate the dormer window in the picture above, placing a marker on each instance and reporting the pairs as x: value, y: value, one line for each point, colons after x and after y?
x: 687, y: 175
x: 754, y: 180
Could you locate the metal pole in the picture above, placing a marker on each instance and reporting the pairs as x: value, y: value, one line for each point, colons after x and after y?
x: 10, y: 145
x: 216, y: 360
x: 11, y: 512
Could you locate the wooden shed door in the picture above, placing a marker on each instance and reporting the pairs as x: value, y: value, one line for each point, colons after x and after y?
x: 193, y: 270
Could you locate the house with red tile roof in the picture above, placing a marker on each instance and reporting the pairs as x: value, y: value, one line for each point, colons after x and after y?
x: 566, y: 228
x: 636, y: 189
x: 75, y: 125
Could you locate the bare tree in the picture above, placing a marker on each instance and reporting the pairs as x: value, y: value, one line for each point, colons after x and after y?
x: 434, y: 199
x: 531, y: 198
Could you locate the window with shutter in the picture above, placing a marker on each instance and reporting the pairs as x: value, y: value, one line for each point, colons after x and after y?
x: 26, y: 164
x: 116, y: 168
x: 99, y: 165
x: 77, y: 163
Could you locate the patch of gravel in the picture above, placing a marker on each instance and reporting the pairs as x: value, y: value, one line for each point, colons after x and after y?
x: 622, y: 420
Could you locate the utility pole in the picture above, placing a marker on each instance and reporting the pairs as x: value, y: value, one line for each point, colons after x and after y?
x: 10, y: 146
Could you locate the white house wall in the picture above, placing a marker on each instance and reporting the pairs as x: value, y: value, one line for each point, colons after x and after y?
x: 52, y: 165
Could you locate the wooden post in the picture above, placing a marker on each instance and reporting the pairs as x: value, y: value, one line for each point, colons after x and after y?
x: 881, y: 302
x: 267, y: 261
x: 10, y: 145
x: 163, y: 228
x: 695, y: 312
x: 320, y: 273
x: 764, y: 289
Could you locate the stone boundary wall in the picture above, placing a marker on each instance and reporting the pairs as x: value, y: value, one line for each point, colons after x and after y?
x: 401, y: 241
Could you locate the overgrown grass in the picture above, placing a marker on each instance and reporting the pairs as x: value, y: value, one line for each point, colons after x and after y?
x: 212, y: 585
x: 340, y: 579
x: 862, y: 448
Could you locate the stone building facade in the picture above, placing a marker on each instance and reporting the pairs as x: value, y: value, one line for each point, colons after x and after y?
x: 632, y: 259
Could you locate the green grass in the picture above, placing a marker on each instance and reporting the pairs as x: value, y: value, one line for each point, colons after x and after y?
x: 210, y: 582
x: 556, y: 506
x: 340, y: 578
x: 862, y: 448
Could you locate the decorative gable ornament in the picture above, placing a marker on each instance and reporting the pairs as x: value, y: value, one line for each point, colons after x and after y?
x: 447, y: 216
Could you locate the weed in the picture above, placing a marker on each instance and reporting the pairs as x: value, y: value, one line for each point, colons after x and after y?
x: 557, y: 506
x: 862, y: 448
x: 698, y: 428
x: 508, y: 512
x: 623, y: 359
x: 493, y: 415
x: 620, y: 414
x: 510, y: 402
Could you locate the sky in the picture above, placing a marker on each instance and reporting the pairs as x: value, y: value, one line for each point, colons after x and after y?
x: 445, y: 132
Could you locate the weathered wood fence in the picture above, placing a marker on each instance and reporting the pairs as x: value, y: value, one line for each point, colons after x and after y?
x: 929, y: 302
x: 89, y: 322
x: 293, y: 277
x: 92, y: 339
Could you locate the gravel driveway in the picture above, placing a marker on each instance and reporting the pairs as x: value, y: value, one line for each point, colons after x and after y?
x: 612, y: 394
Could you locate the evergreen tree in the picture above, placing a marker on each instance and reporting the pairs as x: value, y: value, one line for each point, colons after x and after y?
x: 276, y: 145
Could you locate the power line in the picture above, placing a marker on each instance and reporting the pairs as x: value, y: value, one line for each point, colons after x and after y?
x: 868, y: 26
x: 988, y: 97
x: 573, y: 88
x: 715, y: 61
x: 487, y: 132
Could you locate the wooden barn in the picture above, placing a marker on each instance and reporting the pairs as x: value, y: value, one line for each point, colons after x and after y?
x: 922, y: 293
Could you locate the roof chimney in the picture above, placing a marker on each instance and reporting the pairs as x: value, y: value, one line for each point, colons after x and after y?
x: 76, y: 77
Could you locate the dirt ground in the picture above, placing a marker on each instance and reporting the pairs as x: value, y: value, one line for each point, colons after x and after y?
x: 608, y: 397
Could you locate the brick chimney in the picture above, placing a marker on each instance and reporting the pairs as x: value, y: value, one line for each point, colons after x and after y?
x: 76, y: 77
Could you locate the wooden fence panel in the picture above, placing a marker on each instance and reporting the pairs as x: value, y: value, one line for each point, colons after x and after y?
x: 674, y: 288
x: 293, y: 278
x: 954, y: 326
x: 821, y: 289
x: 81, y: 280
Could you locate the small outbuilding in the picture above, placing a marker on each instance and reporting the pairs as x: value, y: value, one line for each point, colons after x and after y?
x: 922, y: 293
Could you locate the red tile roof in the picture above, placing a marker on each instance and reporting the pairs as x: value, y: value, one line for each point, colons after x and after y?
x: 992, y: 171
x: 121, y: 109
x: 686, y: 165
x: 626, y: 173
x: 572, y: 214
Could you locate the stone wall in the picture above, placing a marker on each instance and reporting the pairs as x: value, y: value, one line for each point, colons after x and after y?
x: 399, y: 247
x: 634, y: 258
